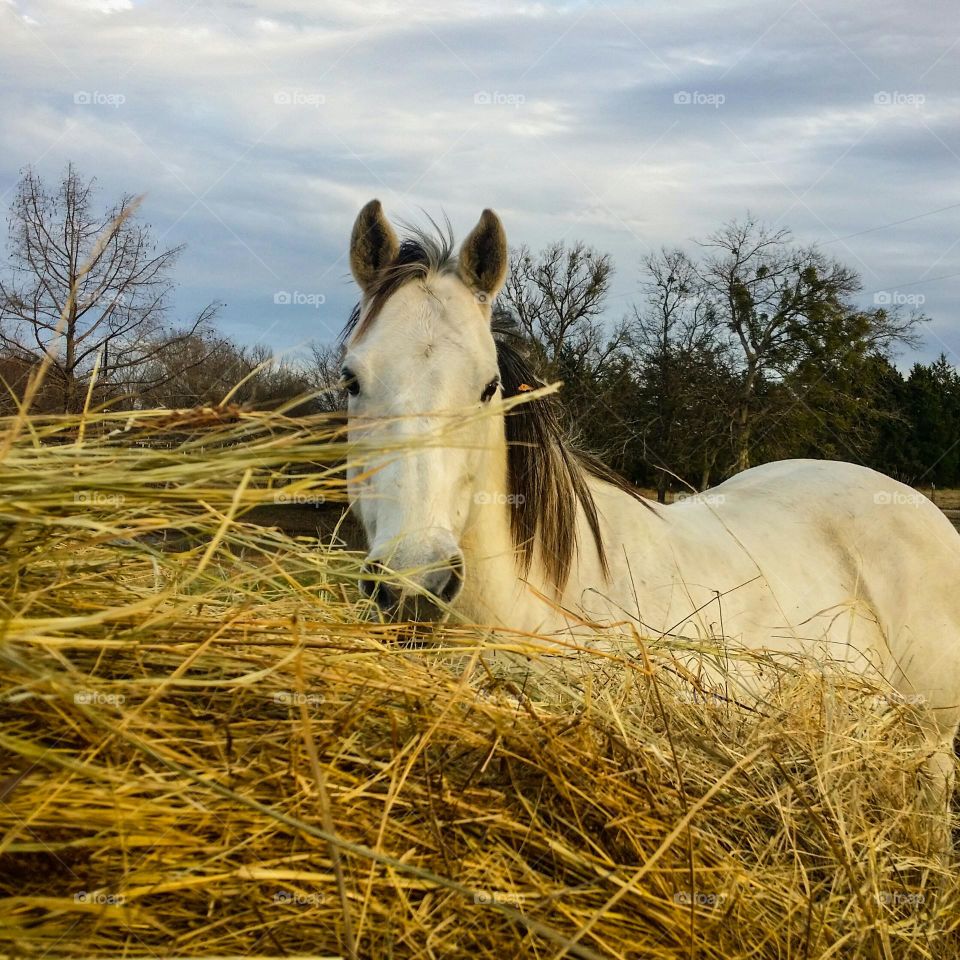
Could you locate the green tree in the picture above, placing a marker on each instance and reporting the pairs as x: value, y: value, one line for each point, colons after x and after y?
x: 787, y: 308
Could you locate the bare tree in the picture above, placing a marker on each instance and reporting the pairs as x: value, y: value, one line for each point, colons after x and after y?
x: 272, y: 382
x: 682, y: 358
x: 112, y: 315
x: 559, y: 296
x: 677, y: 312
x: 203, y: 369
x: 781, y: 304
x: 194, y: 369
x: 323, y: 372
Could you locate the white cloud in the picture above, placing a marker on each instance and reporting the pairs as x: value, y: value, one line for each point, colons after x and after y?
x: 580, y: 137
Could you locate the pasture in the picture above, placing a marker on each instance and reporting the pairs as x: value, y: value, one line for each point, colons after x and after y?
x: 224, y: 750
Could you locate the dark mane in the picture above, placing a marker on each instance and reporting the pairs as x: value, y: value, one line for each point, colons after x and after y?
x: 546, y: 476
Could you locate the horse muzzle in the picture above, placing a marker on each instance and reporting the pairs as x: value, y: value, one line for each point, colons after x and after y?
x: 414, y: 591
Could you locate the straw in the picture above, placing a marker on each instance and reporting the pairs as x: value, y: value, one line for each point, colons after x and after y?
x: 220, y: 751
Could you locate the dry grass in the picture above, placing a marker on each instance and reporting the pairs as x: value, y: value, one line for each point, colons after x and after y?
x: 213, y: 754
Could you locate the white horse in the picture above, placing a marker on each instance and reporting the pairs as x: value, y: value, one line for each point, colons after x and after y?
x: 502, y: 522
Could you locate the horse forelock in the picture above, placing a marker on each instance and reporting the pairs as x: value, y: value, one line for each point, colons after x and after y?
x: 423, y: 253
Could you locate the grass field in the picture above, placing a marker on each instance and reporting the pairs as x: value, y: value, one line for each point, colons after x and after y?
x: 218, y: 752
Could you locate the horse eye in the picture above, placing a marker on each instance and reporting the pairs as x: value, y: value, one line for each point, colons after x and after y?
x: 349, y: 381
x: 489, y: 390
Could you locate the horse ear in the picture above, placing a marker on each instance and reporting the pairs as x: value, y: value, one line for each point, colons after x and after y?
x: 373, y: 244
x: 484, y: 257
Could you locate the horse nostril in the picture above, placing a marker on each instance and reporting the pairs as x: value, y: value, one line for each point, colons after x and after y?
x: 454, y: 583
x: 376, y: 589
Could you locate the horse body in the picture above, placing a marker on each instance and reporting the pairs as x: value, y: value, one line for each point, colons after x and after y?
x: 499, y: 521
x: 796, y: 561
x: 803, y: 558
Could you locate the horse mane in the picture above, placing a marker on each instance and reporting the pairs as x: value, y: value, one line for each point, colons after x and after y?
x: 546, y: 474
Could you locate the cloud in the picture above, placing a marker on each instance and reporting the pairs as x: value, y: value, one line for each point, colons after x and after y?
x: 258, y: 129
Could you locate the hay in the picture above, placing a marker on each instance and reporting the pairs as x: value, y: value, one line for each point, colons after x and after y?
x: 216, y: 752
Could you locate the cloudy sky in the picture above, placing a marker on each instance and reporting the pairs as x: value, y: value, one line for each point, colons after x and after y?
x: 257, y: 130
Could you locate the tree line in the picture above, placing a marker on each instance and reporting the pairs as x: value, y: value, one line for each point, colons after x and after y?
x: 745, y: 348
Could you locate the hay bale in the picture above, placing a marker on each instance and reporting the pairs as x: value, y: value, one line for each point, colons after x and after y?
x: 218, y: 753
